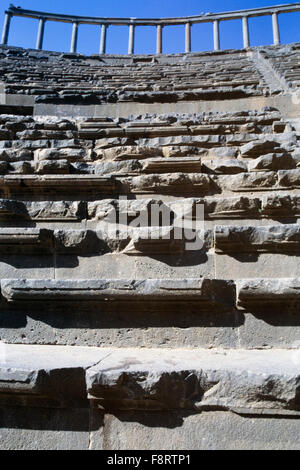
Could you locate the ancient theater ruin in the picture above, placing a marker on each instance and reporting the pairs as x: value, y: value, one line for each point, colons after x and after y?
x: 150, y: 241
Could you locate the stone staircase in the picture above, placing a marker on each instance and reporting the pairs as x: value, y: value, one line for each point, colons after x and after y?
x: 115, y: 332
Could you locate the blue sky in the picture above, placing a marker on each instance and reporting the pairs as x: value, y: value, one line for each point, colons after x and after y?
x: 58, y: 35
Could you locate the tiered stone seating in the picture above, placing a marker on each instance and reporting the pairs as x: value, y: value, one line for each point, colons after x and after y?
x: 116, y: 330
x: 56, y: 78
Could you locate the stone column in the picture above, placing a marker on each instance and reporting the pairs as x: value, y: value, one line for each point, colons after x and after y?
x: 131, y: 39
x: 216, y: 36
x: 159, y: 28
x: 187, y: 37
x: 102, y: 49
x: 74, y: 37
x: 5, y: 31
x: 246, y: 32
x: 276, y: 34
x: 40, y: 35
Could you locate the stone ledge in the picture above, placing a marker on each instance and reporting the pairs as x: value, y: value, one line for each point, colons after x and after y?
x: 200, y: 380
x: 268, y: 292
x: 216, y: 294
x: 276, y: 238
x: 62, y: 183
x: 26, y: 241
x: 152, y: 379
x: 51, y: 376
x: 239, y: 207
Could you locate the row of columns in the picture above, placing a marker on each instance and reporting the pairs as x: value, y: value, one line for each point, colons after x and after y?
x: 102, y: 49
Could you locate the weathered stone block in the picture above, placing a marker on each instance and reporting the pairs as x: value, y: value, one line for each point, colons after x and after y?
x: 254, y: 292
x: 168, y: 183
x: 256, y: 181
x: 253, y: 380
x: 229, y: 167
x: 174, y: 165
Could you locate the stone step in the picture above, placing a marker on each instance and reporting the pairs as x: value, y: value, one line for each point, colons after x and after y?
x: 151, y: 240
x: 244, y: 381
x: 209, y: 292
x: 271, y: 205
x: 47, y: 184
